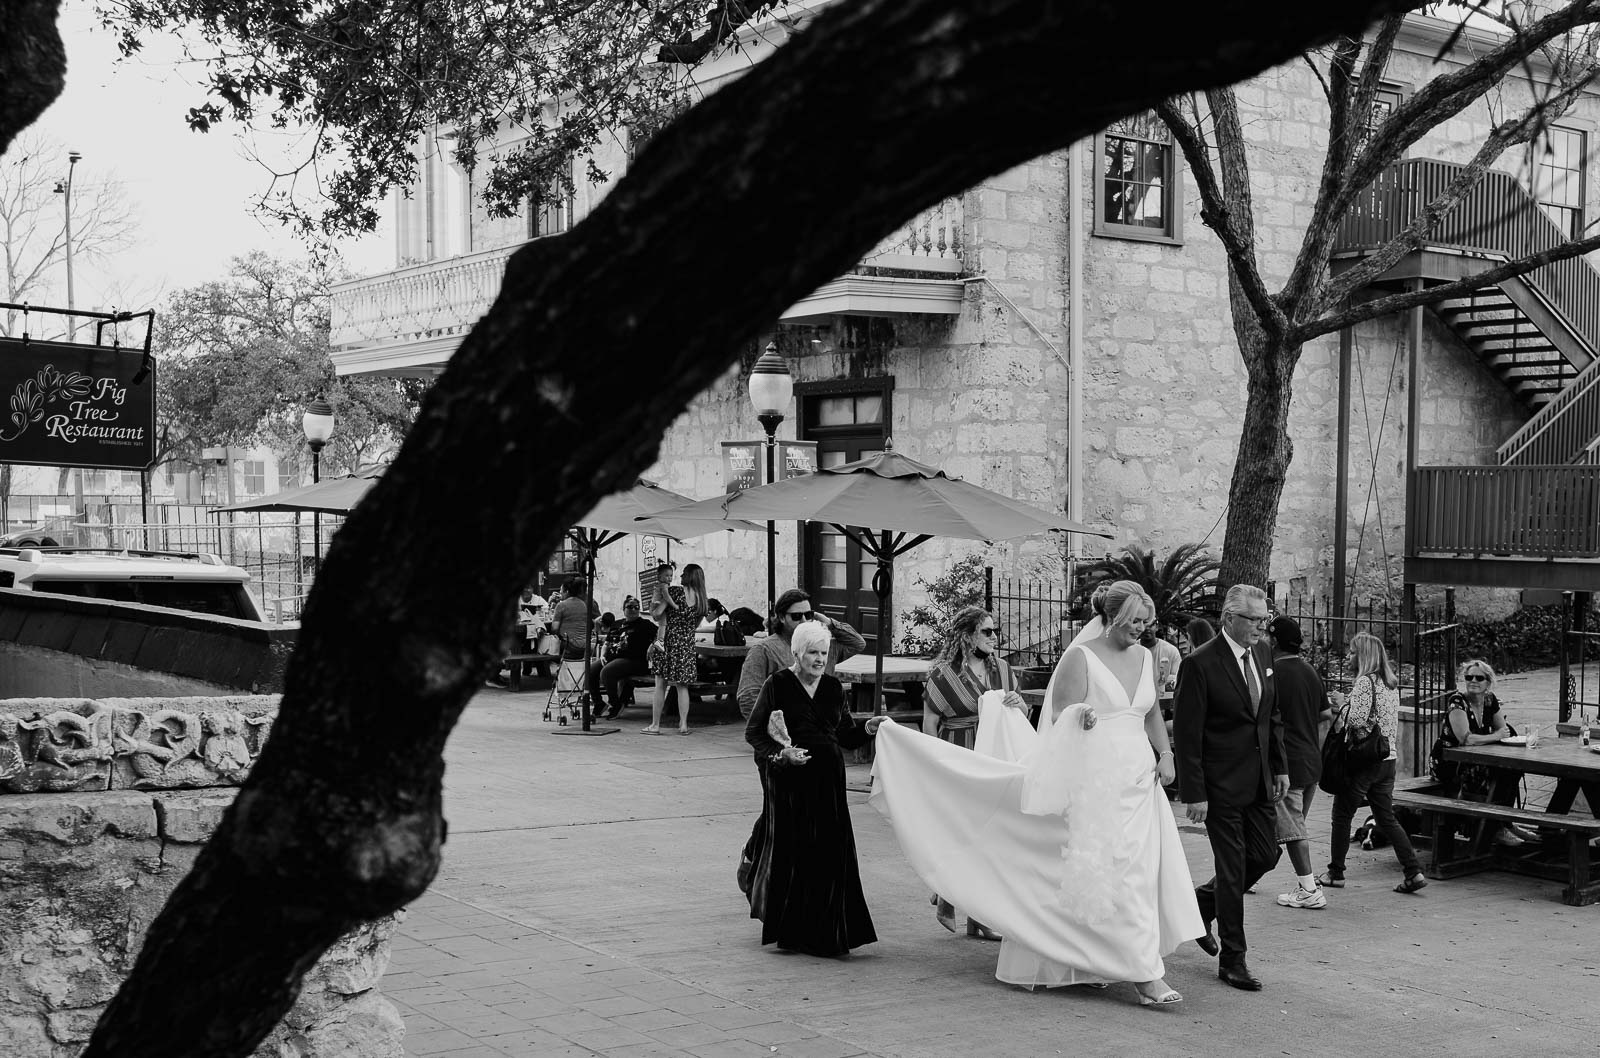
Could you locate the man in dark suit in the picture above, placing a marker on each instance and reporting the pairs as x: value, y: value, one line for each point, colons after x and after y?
x: 1232, y: 768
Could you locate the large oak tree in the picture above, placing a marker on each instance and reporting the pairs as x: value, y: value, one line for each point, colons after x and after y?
x: 751, y: 200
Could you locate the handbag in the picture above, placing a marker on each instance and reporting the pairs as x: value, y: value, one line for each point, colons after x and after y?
x: 725, y: 634
x: 1335, y: 766
x: 1368, y: 750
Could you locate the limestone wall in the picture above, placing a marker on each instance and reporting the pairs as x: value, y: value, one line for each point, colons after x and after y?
x: 83, y: 873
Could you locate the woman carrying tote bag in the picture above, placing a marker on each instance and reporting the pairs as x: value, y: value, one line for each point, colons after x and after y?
x: 1374, y: 701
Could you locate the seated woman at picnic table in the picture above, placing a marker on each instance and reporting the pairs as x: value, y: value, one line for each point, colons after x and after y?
x: 1474, y: 717
x: 968, y: 666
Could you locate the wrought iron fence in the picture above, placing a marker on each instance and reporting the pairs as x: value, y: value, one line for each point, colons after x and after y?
x: 1031, y: 614
x: 1580, y: 689
x: 1423, y: 651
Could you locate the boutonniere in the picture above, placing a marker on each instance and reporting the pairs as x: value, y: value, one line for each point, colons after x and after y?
x: 1269, y: 673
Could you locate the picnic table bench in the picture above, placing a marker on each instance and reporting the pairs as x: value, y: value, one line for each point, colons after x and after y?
x: 1573, y: 864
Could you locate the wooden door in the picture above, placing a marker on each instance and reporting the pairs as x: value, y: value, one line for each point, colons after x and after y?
x: 847, y: 422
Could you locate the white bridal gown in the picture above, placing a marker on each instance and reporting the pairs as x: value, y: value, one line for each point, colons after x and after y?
x: 1061, y: 839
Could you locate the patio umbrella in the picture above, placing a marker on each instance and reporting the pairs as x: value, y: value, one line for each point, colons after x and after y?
x: 888, y: 504
x: 331, y: 496
x: 636, y: 510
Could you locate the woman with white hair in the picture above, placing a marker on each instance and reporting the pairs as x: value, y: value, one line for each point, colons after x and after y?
x: 805, y: 884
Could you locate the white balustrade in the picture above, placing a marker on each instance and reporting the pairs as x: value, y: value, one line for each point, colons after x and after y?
x: 443, y: 298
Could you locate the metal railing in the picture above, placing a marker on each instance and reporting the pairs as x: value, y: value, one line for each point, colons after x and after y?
x: 1031, y: 616
x: 1423, y: 651
x: 1496, y: 216
x: 1542, y: 511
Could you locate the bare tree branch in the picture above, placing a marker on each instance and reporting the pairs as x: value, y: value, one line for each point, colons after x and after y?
x: 1228, y: 217
x: 1520, y: 130
x: 1384, y: 306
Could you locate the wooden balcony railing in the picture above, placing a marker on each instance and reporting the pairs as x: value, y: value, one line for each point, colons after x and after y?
x: 1497, y: 216
x: 442, y: 299
x: 1524, y: 511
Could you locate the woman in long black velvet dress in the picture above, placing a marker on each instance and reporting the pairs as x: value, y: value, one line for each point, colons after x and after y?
x: 806, y: 888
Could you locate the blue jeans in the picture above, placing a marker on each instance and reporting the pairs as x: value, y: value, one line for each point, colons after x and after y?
x: 1376, y: 787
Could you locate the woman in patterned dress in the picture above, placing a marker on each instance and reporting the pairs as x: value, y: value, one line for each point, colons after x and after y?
x: 968, y: 666
x: 681, y: 613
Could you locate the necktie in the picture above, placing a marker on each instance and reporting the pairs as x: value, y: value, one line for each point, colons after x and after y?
x: 1251, y: 682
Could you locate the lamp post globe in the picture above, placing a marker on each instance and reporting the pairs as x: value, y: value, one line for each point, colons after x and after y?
x: 317, y: 422
x: 771, y: 388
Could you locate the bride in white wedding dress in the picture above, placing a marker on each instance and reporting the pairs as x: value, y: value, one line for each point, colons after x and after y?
x: 1062, y: 839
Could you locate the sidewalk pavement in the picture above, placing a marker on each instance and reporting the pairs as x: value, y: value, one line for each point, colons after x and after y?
x: 587, y: 906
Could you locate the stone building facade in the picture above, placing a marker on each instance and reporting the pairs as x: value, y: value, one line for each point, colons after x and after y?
x: 982, y: 386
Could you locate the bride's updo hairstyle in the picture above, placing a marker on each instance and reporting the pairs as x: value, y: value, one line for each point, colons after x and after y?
x: 1097, y: 602
x: 1124, y: 601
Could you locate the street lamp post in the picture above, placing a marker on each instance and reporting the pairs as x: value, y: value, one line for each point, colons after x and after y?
x: 771, y: 386
x: 317, y: 422
x: 64, y: 189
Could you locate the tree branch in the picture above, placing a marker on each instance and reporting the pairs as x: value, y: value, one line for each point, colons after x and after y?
x: 1448, y: 95
x: 821, y: 150
x: 1384, y: 306
x: 1234, y: 226
x: 1501, y: 137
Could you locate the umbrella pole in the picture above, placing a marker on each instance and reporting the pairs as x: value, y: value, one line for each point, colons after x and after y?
x: 883, y: 587
x: 589, y: 542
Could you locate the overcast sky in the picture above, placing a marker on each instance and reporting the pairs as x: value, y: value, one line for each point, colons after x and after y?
x: 191, y: 192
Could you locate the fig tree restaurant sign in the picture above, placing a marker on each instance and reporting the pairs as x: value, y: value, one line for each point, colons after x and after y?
x: 72, y: 405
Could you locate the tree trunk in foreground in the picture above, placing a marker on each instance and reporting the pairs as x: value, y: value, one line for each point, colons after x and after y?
x: 759, y: 195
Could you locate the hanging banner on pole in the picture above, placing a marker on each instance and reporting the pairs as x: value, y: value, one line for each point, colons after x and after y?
x: 70, y: 405
x: 743, y: 466
x: 796, y: 458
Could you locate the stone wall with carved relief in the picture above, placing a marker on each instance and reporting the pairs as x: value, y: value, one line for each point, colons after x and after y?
x: 103, y: 807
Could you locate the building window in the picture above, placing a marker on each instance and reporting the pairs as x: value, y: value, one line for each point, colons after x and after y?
x: 1558, y: 178
x: 1137, y: 189
x: 288, y: 475
x: 255, y: 477
x: 550, y: 210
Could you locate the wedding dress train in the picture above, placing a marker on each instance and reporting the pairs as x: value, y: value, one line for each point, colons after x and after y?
x: 1062, y: 839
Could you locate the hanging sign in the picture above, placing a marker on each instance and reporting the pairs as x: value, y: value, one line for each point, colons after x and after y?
x: 69, y: 405
x: 742, y: 466
x: 796, y: 458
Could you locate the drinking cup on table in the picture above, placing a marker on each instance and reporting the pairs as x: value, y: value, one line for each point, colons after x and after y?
x: 1533, y: 737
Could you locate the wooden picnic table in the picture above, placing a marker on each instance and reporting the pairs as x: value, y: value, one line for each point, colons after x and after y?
x: 860, y: 672
x: 1564, y: 853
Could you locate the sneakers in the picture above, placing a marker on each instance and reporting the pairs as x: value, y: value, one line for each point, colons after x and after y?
x: 1507, y: 838
x: 1331, y: 880
x: 1310, y: 899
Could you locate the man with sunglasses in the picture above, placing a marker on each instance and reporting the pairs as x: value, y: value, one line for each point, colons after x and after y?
x: 1232, y: 769
x: 791, y: 610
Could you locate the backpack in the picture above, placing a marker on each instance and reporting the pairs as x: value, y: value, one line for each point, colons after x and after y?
x: 727, y: 634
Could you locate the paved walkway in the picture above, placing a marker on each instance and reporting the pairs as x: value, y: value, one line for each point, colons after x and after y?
x: 587, y: 907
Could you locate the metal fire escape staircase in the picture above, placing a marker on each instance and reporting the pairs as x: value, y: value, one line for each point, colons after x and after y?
x: 1540, y: 335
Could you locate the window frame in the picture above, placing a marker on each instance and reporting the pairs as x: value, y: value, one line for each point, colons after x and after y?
x: 554, y: 200
x: 1582, y: 130
x: 1172, y: 194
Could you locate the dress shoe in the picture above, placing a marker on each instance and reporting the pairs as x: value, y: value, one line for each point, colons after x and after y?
x: 982, y: 932
x: 1208, y: 942
x: 946, y: 914
x: 1239, y: 976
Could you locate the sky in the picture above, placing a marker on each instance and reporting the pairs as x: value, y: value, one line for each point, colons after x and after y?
x: 190, y: 192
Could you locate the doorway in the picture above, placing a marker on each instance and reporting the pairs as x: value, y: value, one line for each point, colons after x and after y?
x: 849, y: 420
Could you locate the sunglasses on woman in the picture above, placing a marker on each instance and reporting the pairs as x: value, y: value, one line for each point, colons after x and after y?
x: 1476, y: 677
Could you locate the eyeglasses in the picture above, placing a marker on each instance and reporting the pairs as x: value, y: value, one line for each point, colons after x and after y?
x: 801, y: 615
x: 1259, y: 622
x: 988, y: 631
x: 1476, y: 677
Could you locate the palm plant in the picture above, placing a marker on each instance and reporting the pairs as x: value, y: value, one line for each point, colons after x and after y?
x: 1177, y: 585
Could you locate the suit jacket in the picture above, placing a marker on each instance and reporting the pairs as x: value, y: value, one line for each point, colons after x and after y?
x: 1224, y: 754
